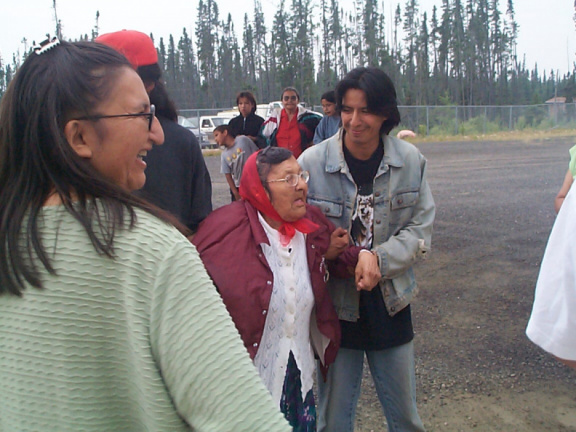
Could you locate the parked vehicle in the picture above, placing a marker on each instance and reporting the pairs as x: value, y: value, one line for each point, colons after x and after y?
x: 191, y: 123
x: 208, y: 124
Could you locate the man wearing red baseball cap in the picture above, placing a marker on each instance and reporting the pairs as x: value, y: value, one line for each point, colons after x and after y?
x: 177, y: 179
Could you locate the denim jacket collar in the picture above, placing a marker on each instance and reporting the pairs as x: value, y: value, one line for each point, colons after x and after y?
x: 335, y: 156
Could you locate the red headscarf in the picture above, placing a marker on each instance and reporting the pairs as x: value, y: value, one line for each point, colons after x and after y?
x: 251, y: 190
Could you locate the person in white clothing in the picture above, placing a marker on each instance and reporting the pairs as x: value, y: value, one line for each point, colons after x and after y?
x: 553, y: 320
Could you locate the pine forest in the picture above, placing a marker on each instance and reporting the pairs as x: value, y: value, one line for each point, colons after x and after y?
x: 463, y: 52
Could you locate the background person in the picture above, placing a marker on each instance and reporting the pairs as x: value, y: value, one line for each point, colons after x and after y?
x: 276, y: 292
x: 376, y: 185
x: 248, y: 122
x: 236, y: 151
x: 108, y: 321
x: 177, y: 178
x: 553, y: 320
x: 291, y: 127
x: 330, y: 123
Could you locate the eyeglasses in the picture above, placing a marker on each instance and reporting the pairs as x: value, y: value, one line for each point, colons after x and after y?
x: 293, y: 179
x: 292, y: 98
x: 150, y: 116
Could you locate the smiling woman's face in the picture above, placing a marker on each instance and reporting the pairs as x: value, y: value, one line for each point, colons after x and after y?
x: 288, y: 201
x: 116, y: 146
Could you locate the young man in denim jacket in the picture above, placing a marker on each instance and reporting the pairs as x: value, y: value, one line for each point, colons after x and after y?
x: 374, y: 186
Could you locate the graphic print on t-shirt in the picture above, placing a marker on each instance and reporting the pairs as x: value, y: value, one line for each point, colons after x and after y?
x: 363, y: 216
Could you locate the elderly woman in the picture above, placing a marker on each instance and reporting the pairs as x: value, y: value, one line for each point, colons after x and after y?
x: 292, y: 127
x: 108, y: 320
x: 275, y: 289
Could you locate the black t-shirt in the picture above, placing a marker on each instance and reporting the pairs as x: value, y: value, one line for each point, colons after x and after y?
x: 375, y: 329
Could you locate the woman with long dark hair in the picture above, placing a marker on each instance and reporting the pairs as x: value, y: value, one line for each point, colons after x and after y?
x: 108, y: 320
x: 177, y: 178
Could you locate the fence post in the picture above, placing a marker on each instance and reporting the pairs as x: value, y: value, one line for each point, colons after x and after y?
x: 427, y: 120
x: 555, y: 112
x: 456, y: 120
x: 510, y: 120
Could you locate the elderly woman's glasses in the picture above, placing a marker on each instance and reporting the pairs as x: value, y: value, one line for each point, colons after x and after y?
x: 290, y: 98
x: 292, y: 179
x: 150, y: 115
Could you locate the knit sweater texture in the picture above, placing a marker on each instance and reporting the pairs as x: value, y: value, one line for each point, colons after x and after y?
x: 141, y: 342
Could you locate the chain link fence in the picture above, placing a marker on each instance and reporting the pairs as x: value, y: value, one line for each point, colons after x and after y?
x: 470, y: 120
x: 428, y: 120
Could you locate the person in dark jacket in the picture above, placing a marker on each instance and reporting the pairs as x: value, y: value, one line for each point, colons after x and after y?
x: 177, y: 179
x: 248, y: 122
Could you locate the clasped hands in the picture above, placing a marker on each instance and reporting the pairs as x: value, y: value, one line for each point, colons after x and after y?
x: 367, y: 272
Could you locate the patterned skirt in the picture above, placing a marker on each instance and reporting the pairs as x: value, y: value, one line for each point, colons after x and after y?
x: 301, y: 414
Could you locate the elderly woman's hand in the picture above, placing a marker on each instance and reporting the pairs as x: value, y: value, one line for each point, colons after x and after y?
x: 367, y: 273
x: 338, y: 242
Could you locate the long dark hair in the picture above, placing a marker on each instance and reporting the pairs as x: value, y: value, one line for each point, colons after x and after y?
x: 379, y: 90
x: 165, y: 107
x: 36, y: 160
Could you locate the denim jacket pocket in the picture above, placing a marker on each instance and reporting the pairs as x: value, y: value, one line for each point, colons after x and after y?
x: 398, y: 292
x: 330, y: 209
x: 401, y: 206
x: 404, y: 199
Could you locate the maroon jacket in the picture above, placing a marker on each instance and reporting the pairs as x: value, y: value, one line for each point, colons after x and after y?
x: 229, y: 244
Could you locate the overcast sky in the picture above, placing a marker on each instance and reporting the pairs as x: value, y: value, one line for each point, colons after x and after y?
x: 547, y: 32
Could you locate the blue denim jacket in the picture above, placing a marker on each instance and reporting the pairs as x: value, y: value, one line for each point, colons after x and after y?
x: 403, y: 215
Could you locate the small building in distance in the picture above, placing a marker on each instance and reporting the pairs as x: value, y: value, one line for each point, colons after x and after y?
x: 556, y: 105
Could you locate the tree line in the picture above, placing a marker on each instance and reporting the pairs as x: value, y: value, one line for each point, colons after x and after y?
x: 463, y: 52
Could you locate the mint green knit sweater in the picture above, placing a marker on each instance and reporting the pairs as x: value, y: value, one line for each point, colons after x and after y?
x: 139, y: 343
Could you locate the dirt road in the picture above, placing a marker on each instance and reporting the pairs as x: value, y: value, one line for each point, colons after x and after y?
x: 476, y: 370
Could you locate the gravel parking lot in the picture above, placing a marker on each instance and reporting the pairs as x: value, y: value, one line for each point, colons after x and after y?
x: 476, y: 369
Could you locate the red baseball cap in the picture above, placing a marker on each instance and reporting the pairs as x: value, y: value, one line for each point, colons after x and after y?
x: 136, y: 46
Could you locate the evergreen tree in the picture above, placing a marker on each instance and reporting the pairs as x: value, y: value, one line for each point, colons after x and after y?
x: 188, y: 94
x: 229, y: 73
x: 248, y: 54
x: 422, y: 64
x: 303, y: 28
x: 283, y: 55
x: 466, y: 53
x: 261, y: 53
x: 411, y: 24
x: 207, y: 29
x: 374, y: 39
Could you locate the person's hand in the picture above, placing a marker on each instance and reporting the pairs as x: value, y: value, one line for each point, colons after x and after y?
x: 367, y: 273
x: 338, y: 242
x: 237, y: 196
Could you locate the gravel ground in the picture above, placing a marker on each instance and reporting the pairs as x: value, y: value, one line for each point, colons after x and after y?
x: 476, y: 370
